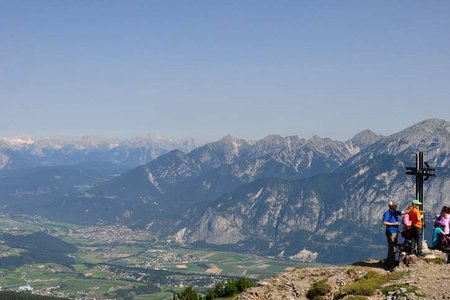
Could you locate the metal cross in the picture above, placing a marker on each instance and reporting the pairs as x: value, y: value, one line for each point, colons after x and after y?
x: 422, y: 171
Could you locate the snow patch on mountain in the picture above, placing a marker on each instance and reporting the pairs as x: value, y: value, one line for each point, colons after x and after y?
x: 362, y: 171
x: 206, y: 185
x: 72, y: 150
x: 4, y: 161
x: 152, y: 179
x: 17, y: 142
x: 253, y: 197
x: 352, y: 149
x: 387, y: 177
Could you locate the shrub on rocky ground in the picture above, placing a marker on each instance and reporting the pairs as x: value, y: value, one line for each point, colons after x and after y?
x: 366, y: 285
x: 401, y: 290
x: 318, y: 290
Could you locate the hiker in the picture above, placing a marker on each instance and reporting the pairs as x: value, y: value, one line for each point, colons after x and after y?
x: 441, y: 241
x: 406, y: 231
x: 390, y: 220
x: 416, y: 216
x: 445, y: 217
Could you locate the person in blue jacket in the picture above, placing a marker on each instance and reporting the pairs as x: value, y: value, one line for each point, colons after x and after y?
x: 391, y: 222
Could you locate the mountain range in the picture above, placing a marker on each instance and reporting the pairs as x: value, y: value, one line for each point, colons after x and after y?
x: 279, y: 196
x: 25, y: 152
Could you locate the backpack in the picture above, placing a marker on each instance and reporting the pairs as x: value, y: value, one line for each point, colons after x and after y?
x: 406, y: 246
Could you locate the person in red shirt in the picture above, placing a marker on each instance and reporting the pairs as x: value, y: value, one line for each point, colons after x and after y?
x: 416, y: 216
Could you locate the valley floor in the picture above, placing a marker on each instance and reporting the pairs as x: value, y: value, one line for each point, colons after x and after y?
x: 112, y: 262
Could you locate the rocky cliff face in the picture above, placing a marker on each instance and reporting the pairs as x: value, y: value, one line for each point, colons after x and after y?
x: 342, y: 207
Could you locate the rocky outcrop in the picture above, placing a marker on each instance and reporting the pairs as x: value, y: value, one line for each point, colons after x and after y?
x: 418, y: 279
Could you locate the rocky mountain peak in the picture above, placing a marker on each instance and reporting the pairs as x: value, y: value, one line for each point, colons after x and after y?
x: 427, y: 135
x: 315, y: 138
x: 273, y: 139
x: 365, y: 138
x: 316, y: 141
x: 225, y: 150
x: 428, y: 127
x: 277, y: 143
x: 228, y: 139
x: 227, y: 143
x: 323, y: 144
x: 433, y: 124
x: 176, y: 153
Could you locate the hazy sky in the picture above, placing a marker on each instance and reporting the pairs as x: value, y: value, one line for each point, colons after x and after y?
x: 211, y: 68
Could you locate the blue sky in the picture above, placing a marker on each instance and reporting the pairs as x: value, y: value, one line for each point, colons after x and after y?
x: 211, y: 68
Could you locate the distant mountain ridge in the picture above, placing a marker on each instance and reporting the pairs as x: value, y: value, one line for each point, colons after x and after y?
x: 219, y: 167
x: 277, y: 196
x: 23, y: 152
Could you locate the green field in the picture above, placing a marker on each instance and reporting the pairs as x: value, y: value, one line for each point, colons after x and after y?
x: 143, y: 266
x: 234, y: 264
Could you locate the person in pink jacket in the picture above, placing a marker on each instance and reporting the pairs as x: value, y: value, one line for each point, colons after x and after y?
x: 406, y: 231
x: 445, y: 218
